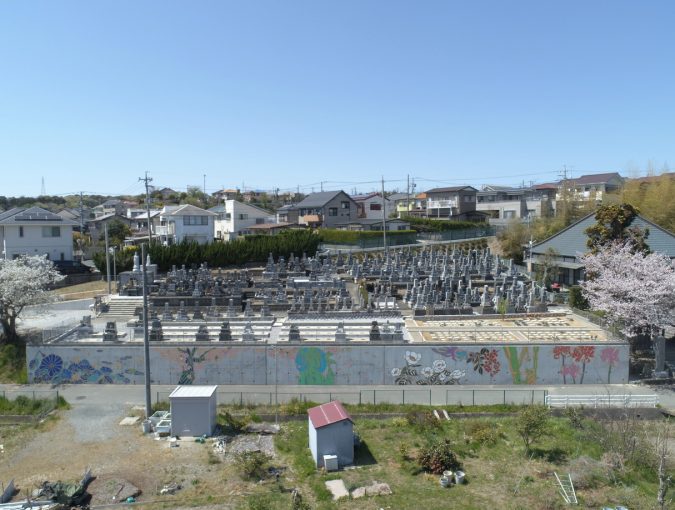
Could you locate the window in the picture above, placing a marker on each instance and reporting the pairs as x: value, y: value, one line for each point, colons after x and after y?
x: 468, y: 198
x: 345, y: 205
x: 195, y: 220
x: 332, y: 211
x: 375, y: 207
x: 509, y: 214
x: 243, y: 216
x: 51, y: 231
x: 20, y: 231
x: 259, y: 221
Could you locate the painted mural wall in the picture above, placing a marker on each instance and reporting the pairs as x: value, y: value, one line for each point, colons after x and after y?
x: 327, y: 364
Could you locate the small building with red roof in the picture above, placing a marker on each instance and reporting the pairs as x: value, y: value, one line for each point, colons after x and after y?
x: 331, y: 432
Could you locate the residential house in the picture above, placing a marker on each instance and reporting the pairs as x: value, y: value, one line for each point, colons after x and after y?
x: 562, y: 249
x: 226, y: 194
x: 370, y: 206
x: 455, y: 202
x: 252, y: 195
x: 504, y: 204
x: 36, y: 231
x: 96, y: 226
x: 590, y: 187
x: 167, y: 193
x: 234, y: 217
x: 287, y: 214
x: 111, y: 206
x: 326, y: 209
x: 73, y: 214
x: 185, y: 223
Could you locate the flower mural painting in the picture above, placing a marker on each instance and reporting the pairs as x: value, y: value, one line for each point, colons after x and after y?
x: 571, y: 370
x: 486, y: 360
x: 562, y: 352
x: 610, y: 355
x: 190, y: 357
x: 52, y: 369
x: 436, y: 374
x: 583, y: 354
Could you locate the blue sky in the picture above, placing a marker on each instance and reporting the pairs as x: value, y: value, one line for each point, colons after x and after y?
x: 285, y: 94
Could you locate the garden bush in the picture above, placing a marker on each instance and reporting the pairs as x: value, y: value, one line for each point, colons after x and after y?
x: 253, y: 465
x: 422, y: 420
x: 483, y: 432
x: 437, y: 457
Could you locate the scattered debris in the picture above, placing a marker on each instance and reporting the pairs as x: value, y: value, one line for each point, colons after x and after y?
x: 262, y: 428
x: 129, y: 420
x: 105, y: 491
x: 337, y: 489
x: 250, y: 443
x: 171, y: 488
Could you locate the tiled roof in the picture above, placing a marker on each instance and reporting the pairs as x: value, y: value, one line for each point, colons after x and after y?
x: 32, y: 216
x: 318, y: 199
x: 188, y: 210
x: 451, y: 188
x: 327, y: 414
x: 595, y: 178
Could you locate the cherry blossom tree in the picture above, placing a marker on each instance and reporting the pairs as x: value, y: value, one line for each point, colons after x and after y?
x: 23, y: 281
x: 634, y: 290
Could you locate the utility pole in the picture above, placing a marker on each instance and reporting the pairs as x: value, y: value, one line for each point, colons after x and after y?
x: 81, y: 228
x: 407, y: 200
x: 147, y: 204
x: 205, y: 201
x: 107, y: 258
x: 146, y: 337
x: 384, y: 220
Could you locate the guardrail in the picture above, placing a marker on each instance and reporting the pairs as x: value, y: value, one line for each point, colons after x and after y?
x: 596, y: 401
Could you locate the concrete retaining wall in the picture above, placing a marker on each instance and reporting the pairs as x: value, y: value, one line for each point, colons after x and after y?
x: 329, y: 364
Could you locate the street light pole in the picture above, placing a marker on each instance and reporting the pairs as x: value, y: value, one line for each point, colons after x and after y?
x: 146, y: 337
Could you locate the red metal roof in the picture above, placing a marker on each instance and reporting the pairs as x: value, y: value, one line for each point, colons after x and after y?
x: 327, y: 414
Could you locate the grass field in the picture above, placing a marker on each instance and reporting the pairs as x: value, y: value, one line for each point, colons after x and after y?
x: 499, y: 473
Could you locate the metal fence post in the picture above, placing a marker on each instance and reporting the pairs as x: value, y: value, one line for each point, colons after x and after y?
x: 473, y: 397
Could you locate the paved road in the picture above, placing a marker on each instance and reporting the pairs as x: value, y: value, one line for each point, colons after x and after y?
x: 129, y: 395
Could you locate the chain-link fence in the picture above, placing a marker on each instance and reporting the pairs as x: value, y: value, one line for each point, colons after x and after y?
x: 26, y: 406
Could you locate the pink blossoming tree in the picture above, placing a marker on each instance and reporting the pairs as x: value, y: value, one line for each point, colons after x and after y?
x: 635, y: 291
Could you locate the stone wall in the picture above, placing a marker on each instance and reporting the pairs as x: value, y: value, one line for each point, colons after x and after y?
x: 327, y: 364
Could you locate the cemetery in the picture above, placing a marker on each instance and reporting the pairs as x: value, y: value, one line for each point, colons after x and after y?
x: 425, y: 316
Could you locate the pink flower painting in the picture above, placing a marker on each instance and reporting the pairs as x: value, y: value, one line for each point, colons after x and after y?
x: 610, y: 355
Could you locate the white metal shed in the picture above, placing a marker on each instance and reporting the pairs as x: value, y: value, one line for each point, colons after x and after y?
x: 193, y: 410
x: 331, y: 432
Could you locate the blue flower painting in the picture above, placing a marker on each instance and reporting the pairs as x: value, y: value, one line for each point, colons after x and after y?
x: 50, y: 368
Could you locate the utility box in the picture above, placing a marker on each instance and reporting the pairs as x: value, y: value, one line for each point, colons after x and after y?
x: 193, y: 410
x: 331, y: 435
x: 330, y: 462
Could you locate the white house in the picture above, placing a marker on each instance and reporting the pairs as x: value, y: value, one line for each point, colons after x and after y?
x: 36, y: 231
x: 235, y: 217
x: 370, y: 206
x: 180, y: 223
x: 331, y: 432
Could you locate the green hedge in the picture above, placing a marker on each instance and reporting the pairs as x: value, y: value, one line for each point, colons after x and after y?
x: 237, y: 252
x: 333, y: 236
x: 431, y: 225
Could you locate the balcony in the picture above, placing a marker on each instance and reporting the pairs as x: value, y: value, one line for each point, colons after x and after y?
x: 164, y: 230
x: 441, y: 204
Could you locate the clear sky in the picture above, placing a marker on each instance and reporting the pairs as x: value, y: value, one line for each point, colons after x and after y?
x: 289, y: 93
